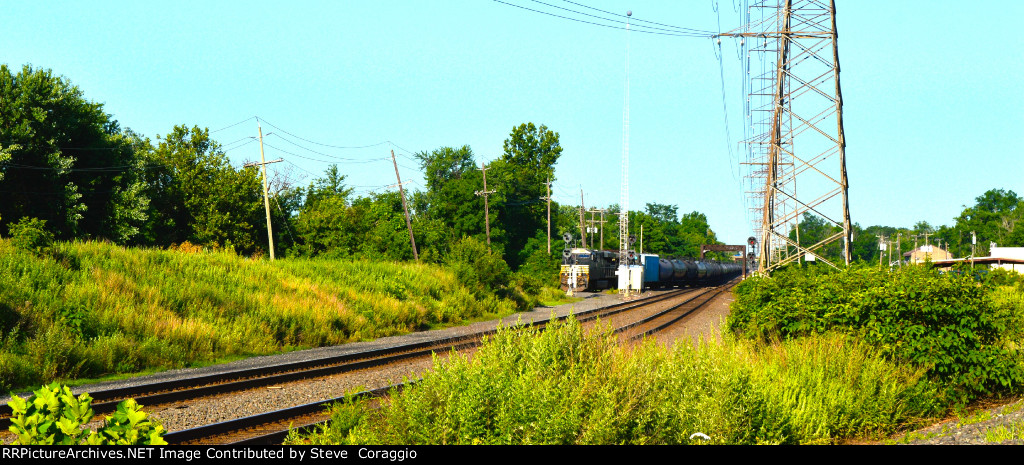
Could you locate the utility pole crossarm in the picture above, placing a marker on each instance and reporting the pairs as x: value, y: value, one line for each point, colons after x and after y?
x: 253, y: 163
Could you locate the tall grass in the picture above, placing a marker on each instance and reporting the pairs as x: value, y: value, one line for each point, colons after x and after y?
x: 565, y: 386
x: 91, y: 308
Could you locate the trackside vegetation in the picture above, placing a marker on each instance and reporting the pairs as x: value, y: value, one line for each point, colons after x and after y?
x: 564, y: 385
x: 86, y: 309
x: 812, y: 357
x: 52, y: 415
x: 965, y: 333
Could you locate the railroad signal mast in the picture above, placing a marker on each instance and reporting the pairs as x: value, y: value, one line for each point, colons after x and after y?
x: 795, y: 112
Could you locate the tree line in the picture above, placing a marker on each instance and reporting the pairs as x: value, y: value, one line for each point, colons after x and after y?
x: 996, y: 217
x: 63, y: 160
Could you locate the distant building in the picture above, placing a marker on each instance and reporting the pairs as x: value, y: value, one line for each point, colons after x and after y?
x: 926, y: 253
x: 1007, y: 258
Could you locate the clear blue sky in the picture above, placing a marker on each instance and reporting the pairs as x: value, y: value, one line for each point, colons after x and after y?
x: 933, y: 108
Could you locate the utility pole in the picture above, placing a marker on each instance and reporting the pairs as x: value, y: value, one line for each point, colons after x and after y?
x: 583, y: 232
x: 899, y: 247
x: 487, y: 209
x: 266, y: 199
x: 881, y: 247
x: 594, y: 222
x: 974, y: 242
x: 408, y: 223
x: 548, y: 198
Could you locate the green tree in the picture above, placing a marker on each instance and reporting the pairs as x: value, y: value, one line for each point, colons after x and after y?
x: 694, y: 230
x: 324, y: 223
x: 519, y: 176
x: 65, y: 161
x: 201, y: 198
x: 452, y: 181
x: 995, y: 217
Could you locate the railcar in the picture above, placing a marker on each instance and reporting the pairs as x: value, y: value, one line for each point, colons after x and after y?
x: 592, y: 270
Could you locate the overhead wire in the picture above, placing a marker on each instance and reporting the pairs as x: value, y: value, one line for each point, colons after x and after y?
x: 323, y: 161
x: 318, y: 143
x: 681, y: 34
x: 233, y: 125
x: 601, y: 18
x: 632, y: 19
x: 318, y: 152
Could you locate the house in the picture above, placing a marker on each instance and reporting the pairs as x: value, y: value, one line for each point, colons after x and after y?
x: 927, y: 253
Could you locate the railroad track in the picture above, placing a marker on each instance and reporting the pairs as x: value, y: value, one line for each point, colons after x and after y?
x: 158, y: 394
x: 273, y: 427
x: 270, y: 428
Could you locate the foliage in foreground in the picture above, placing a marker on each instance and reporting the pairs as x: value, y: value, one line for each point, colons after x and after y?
x: 946, y: 323
x: 565, y: 386
x: 86, y: 309
x: 54, y: 416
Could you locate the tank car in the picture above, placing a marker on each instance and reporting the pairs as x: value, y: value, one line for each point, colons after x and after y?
x: 586, y: 269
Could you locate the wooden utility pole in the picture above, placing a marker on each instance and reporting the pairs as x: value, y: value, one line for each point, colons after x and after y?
x: 266, y: 200
x: 899, y: 247
x: 487, y: 209
x: 405, y: 207
x: 548, y: 198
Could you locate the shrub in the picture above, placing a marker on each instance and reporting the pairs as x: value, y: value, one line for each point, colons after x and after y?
x: 564, y: 385
x: 53, y: 415
x: 945, y: 322
x: 476, y: 266
x: 30, y: 234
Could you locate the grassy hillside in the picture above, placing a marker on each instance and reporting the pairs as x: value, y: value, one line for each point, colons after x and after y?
x: 84, y: 309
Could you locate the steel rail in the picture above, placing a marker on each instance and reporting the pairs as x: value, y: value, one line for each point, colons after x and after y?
x: 280, y: 422
x: 151, y: 394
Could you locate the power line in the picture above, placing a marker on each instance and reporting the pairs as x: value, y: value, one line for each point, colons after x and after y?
x: 315, y: 151
x: 323, y: 161
x: 640, y: 20
x: 681, y: 34
x: 93, y: 169
x: 601, y: 18
x: 233, y: 125
x: 318, y: 143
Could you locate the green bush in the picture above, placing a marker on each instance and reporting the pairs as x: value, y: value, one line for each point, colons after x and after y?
x: 475, y: 265
x: 30, y: 234
x: 54, y: 416
x: 564, y: 385
x: 945, y: 322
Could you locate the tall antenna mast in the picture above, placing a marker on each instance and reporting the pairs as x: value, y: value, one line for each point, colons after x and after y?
x: 624, y: 193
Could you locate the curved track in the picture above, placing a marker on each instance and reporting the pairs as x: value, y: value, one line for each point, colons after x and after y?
x: 633, y: 319
x: 273, y: 427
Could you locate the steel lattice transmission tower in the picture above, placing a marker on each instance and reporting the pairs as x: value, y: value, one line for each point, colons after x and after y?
x: 795, y: 123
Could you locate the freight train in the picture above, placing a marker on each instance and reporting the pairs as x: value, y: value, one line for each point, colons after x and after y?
x: 591, y: 270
